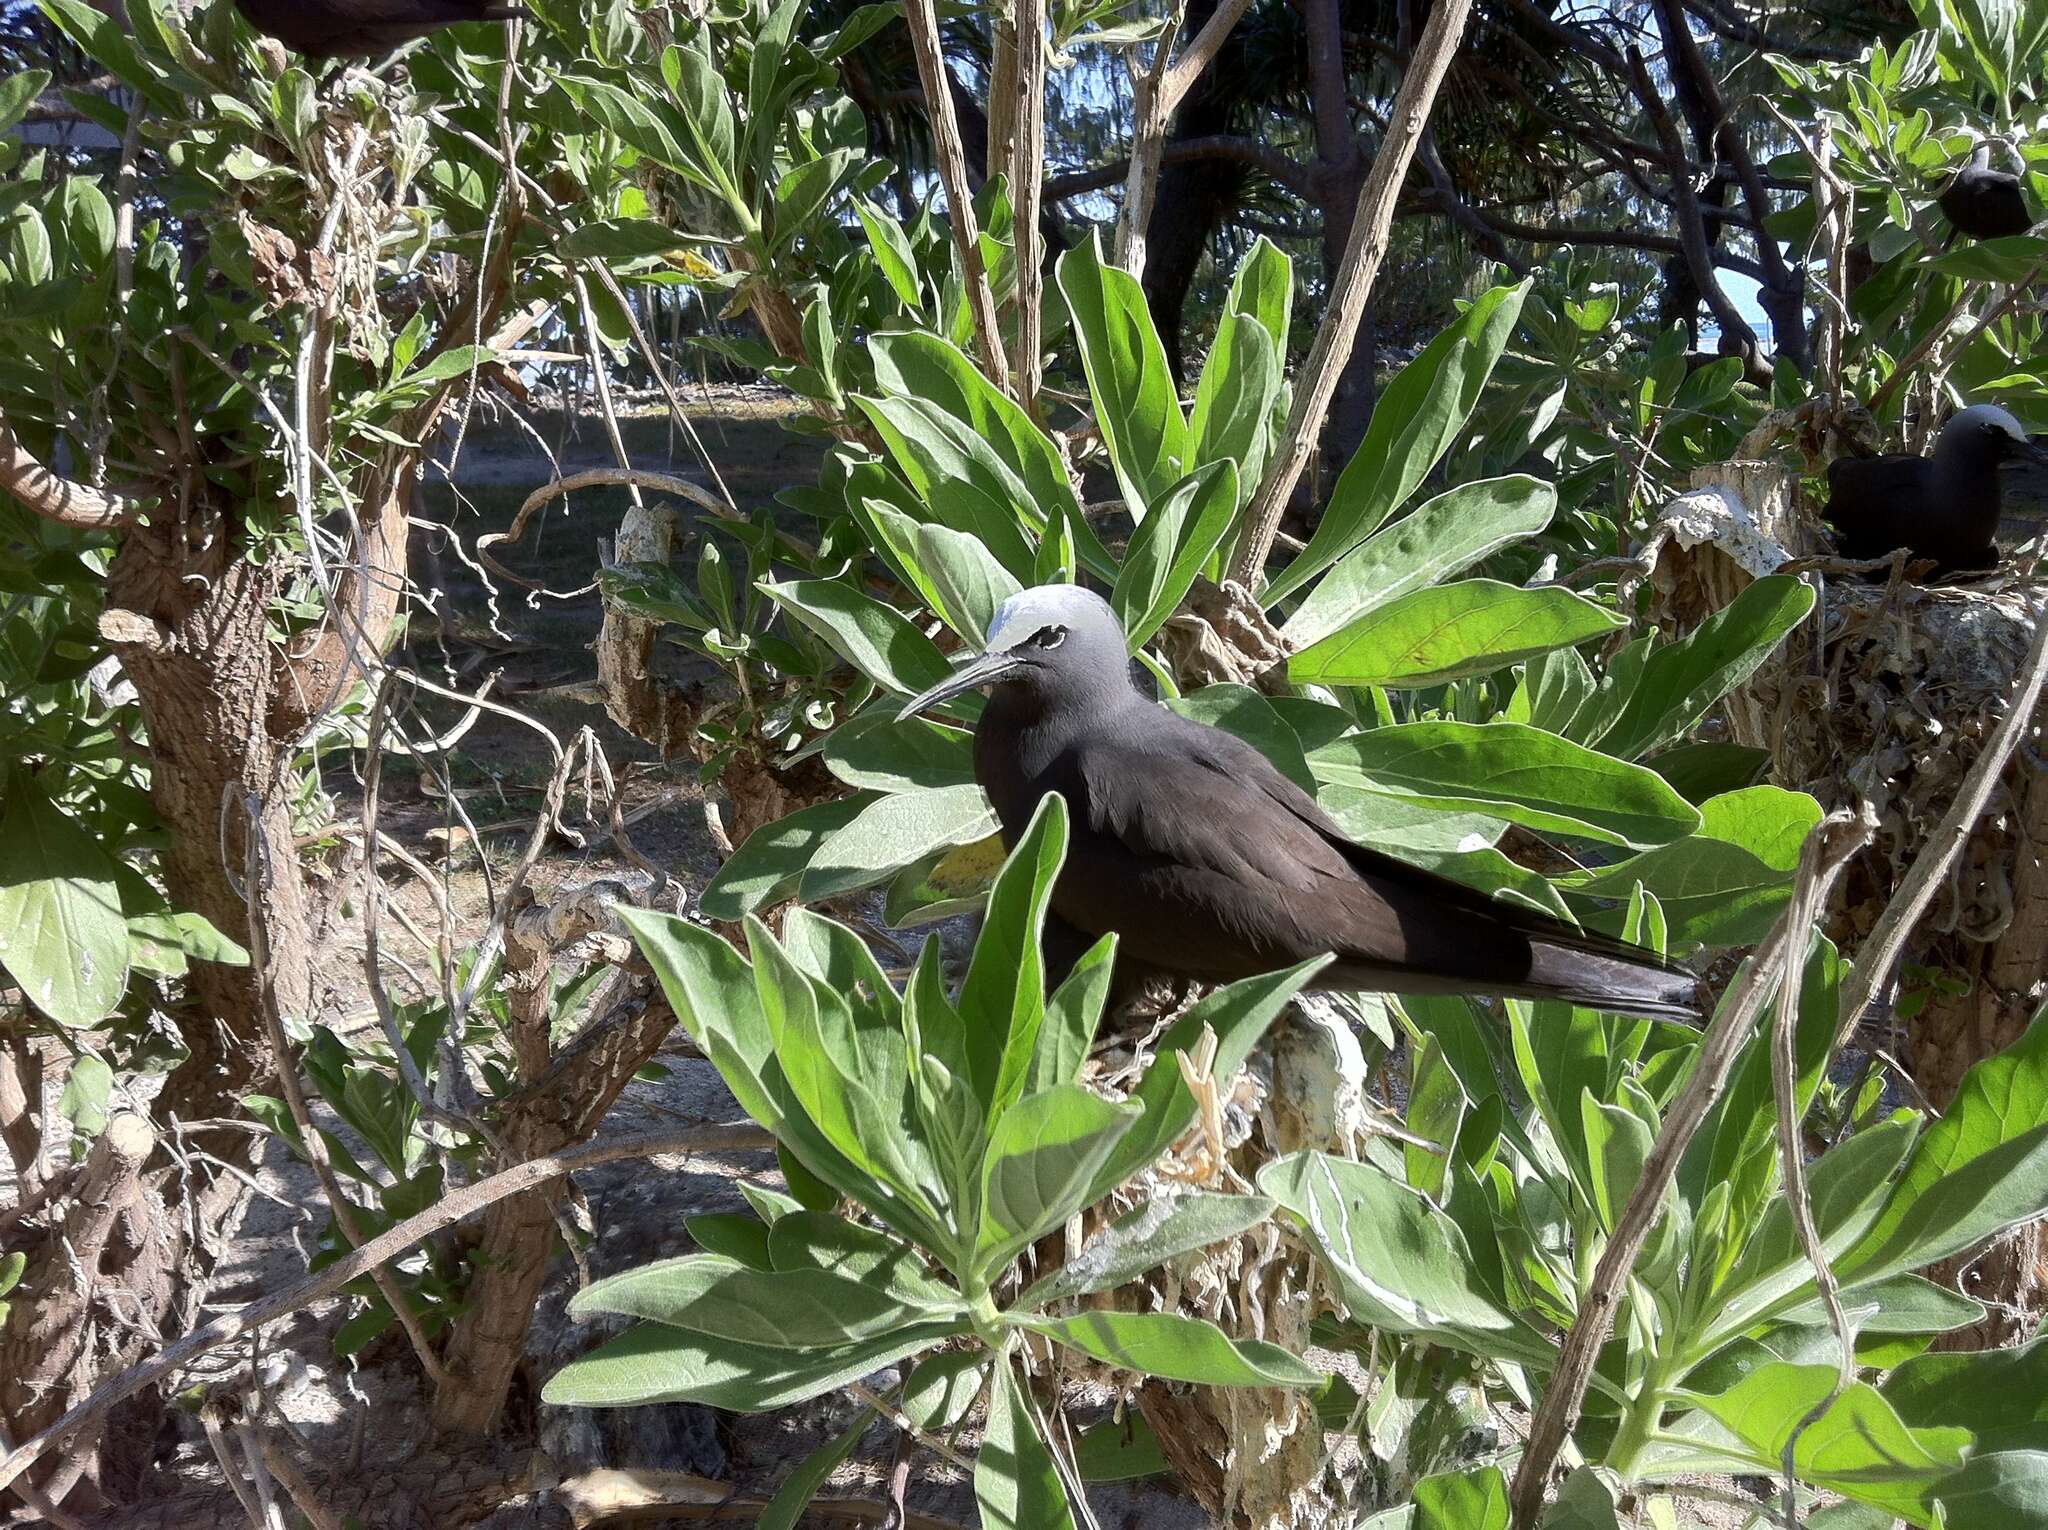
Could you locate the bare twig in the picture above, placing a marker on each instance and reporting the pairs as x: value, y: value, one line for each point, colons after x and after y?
x: 1027, y: 184
x: 457, y: 1206
x: 952, y: 157
x: 295, y: 1483
x: 1826, y: 852
x: 1882, y: 947
x: 1353, y: 287
x: 259, y: 871
x: 230, y: 1468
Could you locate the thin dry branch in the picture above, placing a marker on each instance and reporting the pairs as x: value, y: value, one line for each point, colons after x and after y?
x: 457, y: 1206
x: 1027, y: 185
x: 1353, y: 288
x: 1826, y: 852
x: 952, y: 157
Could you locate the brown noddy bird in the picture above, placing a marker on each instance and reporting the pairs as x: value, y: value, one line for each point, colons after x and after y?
x: 1945, y: 507
x: 1209, y: 864
x: 1985, y: 203
x: 364, y: 28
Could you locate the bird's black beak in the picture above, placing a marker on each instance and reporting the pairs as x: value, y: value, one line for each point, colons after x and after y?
x: 982, y: 669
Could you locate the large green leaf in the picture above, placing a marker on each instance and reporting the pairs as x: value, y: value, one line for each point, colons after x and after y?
x: 877, y: 640
x: 919, y: 365
x: 651, y: 1363
x: 1399, y: 1263
x: 1414, y: 421
x: 1016, y: 1486
x: 769, y: 865
x: 1511, y: 771
x: 1723, y: 884
x: 1441, y: 538
x: 885, y: 753
x: 1445, y: 631
x: 1473, y: 1499
x: 1135, y: 406
x: 1072, y: 1014
x: 63, y: 938
x: 1859, y: 1447
x: 1145, y: 1237
x: 1981, y: 1168
x: 779, y: 1309
x: 1177, y: 1348
x: 1002, y: 1000
x: 1170, y: 547
x: 966, y: 578
x: 1999, y: 1395
x: 891, y: 833
x: 1233, y: 413
x: 1043, y: 1155
x: 1681, y: 680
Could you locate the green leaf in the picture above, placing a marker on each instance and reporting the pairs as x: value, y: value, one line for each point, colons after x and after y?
x: 941, y: 1392
x: 1135, y: 406
x: 1475, y: 1499
x: 619, y: 239
x: 1177, y: 1348
x: 18, y: 92
x: 1414, y: 421
x: 885, y: 753
x: 1979, y: 1169
x: 1043, y: 1155
x: 1723, y: 884
x: 1232, y: 418
x: 1120, y: 1450
x: 1264, y: 288
x: 1583, y: 1503
x: 1681, y: 680
x: 1162, y: 1228
x: 893, y: 254
x: 780, y: 1309
x: 892, y: 833
x: 1071, y: 1016
x: 964, y: 576
x: 1617, y: 1146
x: 1859, y: 1447
x: 876, y: 639
x: 1446, y: 631
x: 1002, y: 1000
x: 1399, y: 1263
x: 1440, y: 538
x: 652, y: 1363
x: 923, y: 366
x: 1015, y: 1484
x: 1999, y: 1395
x: 811, y: 1475
x: 1511, y: 771
x: 768, y: 867
x: 63, y: 939
x: 804, y: 190
x: 88, y: 1091
x: 1170, y: 548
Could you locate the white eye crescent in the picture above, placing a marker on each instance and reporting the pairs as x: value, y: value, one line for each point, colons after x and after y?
x: 1048, y: 637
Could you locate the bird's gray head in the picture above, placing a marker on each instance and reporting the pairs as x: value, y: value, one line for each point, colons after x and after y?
x: 1985, y: 435
x: 1058, y: 641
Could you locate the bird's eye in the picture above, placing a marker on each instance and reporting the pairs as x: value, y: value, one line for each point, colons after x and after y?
x: 1048, y: 637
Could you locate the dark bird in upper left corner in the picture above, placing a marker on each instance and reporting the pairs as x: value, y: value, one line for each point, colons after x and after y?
x: 1945, y: 506
x: 1985, y: 203
x: 364, y: 28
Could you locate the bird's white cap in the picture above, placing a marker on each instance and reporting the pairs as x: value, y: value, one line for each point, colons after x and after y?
x: 1979, y: 415
x: 1029, y: 612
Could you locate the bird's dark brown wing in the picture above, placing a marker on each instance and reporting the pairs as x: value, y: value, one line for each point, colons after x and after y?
x: 1210, y: 862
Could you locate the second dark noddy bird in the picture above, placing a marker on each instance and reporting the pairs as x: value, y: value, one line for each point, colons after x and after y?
x: 1210, y: 864
x: 1985, y: 203
x: 364, y: 28
x: 1945, y: 507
